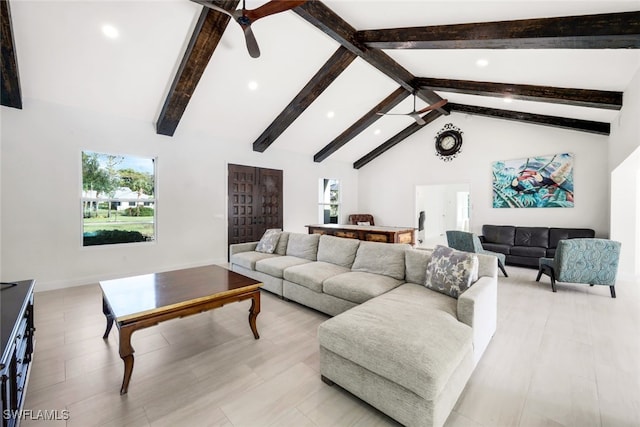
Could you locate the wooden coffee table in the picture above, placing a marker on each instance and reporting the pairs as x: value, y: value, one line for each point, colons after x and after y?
x: 141, y: 301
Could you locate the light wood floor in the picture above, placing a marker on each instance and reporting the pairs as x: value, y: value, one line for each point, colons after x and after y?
x: 564, y: 359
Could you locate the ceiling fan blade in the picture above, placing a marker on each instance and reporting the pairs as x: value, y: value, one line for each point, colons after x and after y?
x: 271, y: 8
x: 252, y: 43
x: 435, y: 106
x: 417, y: 118
x: 213, y: 7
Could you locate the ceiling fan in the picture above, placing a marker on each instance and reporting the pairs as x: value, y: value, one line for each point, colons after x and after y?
x: 246, y: 17
x: 416, y: 114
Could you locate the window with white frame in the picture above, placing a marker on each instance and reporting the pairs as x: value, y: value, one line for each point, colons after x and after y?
x: 329, y: 203
x: 118, y: 199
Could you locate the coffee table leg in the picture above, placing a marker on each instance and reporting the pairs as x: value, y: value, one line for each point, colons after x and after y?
x: 253, y: 313
x: 126, y: 354
x: 109, y: 316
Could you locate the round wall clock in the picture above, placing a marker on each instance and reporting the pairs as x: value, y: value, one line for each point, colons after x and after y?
x: 448, y: 142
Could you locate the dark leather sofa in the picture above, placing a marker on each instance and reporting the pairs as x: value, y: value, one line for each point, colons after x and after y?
x: 523, y: 246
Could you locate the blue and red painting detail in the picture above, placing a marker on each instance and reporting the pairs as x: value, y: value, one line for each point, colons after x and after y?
x: 534, y: 182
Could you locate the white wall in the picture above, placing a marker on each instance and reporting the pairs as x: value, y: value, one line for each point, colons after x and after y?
x: 387, y: 185
x: 625, y: 181
x: 41, y: 184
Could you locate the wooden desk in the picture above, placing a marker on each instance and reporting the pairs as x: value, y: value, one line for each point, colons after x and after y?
x: 370, y: 233
x: 142, y: 301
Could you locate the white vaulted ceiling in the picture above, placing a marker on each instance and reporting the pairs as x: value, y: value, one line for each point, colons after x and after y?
x: 64, y: 58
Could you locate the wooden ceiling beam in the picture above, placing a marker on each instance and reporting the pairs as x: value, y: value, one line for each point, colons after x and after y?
x: 338, y: 62
x: 602, y: 31
x: 10, y: 85
x: 588, y: 126
x: 578, y: 97
x: 396, y: 139
x: 203, y: 43
x: 364, y: 122
x: 325, y: 19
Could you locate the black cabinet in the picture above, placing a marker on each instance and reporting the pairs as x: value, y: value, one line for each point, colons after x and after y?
x: 16, y: 301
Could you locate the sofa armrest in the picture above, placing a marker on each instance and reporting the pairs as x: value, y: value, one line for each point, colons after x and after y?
x: 237, y: 248
x: 478, y: 308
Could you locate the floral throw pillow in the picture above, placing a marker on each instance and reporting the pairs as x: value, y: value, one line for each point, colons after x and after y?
x: 451, y: 272
x: 269, y: 240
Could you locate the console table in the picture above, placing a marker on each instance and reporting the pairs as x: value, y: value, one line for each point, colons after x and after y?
x: 16, y: 305
x: 370, y: 233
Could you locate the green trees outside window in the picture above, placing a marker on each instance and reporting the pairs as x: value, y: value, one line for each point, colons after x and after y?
x: 118, y: 199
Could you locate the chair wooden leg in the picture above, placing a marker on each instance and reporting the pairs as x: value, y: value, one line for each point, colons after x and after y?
x: 503, y: 270
x: 613, y: 291
x: 539, y: 274
x: 552, y: 274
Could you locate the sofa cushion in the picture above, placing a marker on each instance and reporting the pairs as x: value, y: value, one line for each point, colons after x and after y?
x: 303, y: 245
x: 275, y: 266
x: 359, y: 286
x: 269, y: 240
x: 532, y: 236
x: 410, y: 336
x: 249, y: 259
x: 281, y: 248
x: 451, y: 272
x: 502, y: 234
x: 381, y: 258
x: 530, y: 251
x: 312, y: 274
x: 416, y: 261
x: 557, y: 234
x: 337, y: 250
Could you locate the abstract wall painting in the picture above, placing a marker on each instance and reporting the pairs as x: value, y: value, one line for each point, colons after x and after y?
x: 534, y: 182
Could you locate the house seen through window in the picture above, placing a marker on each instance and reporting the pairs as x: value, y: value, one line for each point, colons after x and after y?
x: 329, y: 206
x: 118, y: 199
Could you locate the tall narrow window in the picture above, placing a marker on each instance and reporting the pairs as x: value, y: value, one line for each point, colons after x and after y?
x: 118, y: 199
x: 329, y: 206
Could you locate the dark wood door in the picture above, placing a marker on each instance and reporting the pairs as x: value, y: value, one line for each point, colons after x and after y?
x: 255, y: 202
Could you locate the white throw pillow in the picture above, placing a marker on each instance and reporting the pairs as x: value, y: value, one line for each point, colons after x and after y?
x: 364, y: 223
x: 451, y: 272
x: 269, y: 240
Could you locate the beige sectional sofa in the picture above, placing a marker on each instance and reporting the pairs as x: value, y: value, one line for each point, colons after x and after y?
x: 400, y: 346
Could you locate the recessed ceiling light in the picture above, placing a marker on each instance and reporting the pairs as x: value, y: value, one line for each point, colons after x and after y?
x: 377, y: 132
x: 110, y: 31
x: 482, y: 62
x: 330, y: 114
x: 253, y: 85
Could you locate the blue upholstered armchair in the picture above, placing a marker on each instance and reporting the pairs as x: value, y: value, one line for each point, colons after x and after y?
x: 469, y: 242
x: 590, y: 261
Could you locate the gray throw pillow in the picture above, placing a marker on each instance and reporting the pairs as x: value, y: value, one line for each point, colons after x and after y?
x: 451, y: 272
x: 269, y: 240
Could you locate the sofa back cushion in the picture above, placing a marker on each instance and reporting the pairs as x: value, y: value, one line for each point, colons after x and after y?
x: 281, y: 247
x: 532, y: 236
x: 557, y: 234
x: 303, y: 246
x: 416, y: 262
x: 502, y: 234
x: 337, y: 250
x: 381, y: 258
